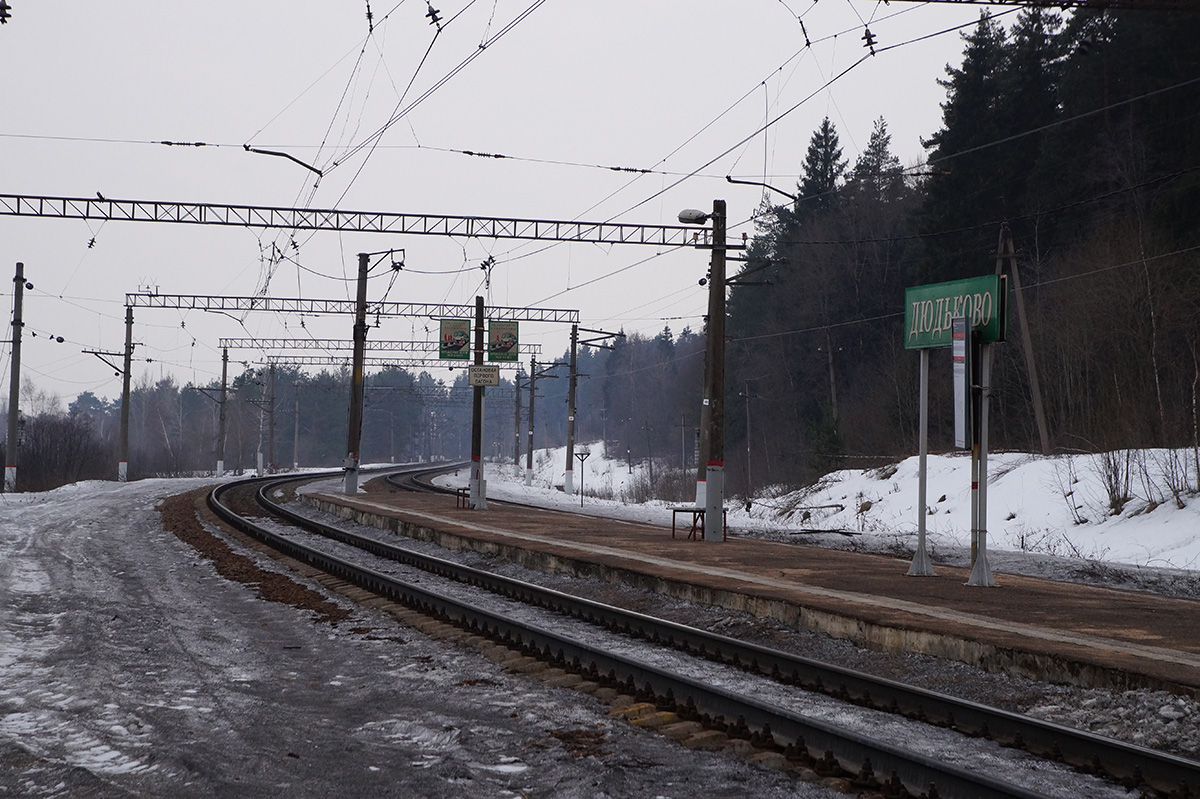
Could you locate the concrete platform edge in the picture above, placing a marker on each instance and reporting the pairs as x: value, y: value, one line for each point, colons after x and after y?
x: 1029, y: 663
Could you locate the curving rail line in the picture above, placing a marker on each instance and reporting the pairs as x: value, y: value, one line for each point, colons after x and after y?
x: 851, y: 752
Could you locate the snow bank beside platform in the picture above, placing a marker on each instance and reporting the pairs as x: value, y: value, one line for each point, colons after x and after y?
x: 1045, y: 505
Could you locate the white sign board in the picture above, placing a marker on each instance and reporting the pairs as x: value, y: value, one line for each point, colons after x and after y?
x: 483, y: 375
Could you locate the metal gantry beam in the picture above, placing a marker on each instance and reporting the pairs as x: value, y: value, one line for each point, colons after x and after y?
x: 194, y: 302
x: 342, y: 344
x: 102, y: 209
x: 399, y: 363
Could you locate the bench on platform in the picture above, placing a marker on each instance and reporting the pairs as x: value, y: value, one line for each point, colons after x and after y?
x: 698, y: 522
x: 462, y: 498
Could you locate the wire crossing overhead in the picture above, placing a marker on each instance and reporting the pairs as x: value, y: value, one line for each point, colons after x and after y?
x: 342, y: 344
x: 1063, y: 5
x: 195, y: 302
x: 253, y: 216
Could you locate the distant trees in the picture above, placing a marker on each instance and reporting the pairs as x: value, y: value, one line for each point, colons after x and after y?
x: 1081, y: 135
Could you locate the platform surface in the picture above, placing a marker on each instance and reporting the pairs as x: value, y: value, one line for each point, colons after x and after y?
x: 1076, y: 633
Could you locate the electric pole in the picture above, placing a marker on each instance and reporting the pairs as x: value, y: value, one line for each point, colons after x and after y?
x: 529, y: 443
x: 14, y: 383
x: 478, y: 485
x: 714, y: 522
x: 568, y: 483
x: 123, y: 445
x: 568, y: 476
x: 517, y: 420
x: 1005, y: 252
x: 354, y: 436
x: 221, y: 416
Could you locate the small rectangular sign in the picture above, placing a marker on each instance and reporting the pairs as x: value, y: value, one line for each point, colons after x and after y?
x: 455, y: 340
x: 502, y: 341
x: 960, y: 357
x: 483, y: 375
x: 928, y: 310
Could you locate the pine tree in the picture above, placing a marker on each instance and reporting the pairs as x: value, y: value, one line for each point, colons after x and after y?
x: 823, y: 168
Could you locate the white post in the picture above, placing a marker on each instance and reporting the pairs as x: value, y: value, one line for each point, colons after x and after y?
x: 981, y: 572
x: 921, y: 565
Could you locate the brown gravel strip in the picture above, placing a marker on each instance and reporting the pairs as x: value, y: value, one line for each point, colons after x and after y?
x: 186, y: 514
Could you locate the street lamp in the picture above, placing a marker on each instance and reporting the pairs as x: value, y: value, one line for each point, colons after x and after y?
x: 713, y: 411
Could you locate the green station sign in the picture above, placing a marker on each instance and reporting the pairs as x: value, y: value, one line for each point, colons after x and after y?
x: 929, y: 310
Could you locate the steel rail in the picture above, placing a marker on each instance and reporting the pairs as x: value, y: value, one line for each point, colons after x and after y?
x: 1128, y: 764
x: 852, y: 752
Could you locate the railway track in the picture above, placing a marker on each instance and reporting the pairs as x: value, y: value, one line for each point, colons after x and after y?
x: 811, y: 743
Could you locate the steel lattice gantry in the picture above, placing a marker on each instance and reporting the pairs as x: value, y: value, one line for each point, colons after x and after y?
x: 330, y: 344
x: 399, y: 363
x: 200, y: 302
x: 254, y: 216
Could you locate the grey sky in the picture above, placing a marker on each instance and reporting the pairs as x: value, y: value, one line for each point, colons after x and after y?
x: 569, y: 89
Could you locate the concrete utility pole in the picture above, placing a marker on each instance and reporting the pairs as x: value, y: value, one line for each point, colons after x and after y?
x: 271, y: 465
x: 576, y: 342
x: 14, y: 384
x: 529, y: 444
x: 296, y: 432
x: 127, y: 369
x: 749, y: 483
x: 682, y: 442
x: 517, y: 421
x: 714, y: 519
x: 534, y: 374
x: 354, y: 436
x: 568, y: 476
x: 478, y: 485
x: 222, y: 418
x: 647, y: 429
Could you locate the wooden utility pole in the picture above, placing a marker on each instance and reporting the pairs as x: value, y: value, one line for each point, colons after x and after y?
x: 1005, y: 252
x: 14, y: 384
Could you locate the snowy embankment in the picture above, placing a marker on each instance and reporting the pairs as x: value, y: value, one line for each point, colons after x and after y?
x: 1129, y: 507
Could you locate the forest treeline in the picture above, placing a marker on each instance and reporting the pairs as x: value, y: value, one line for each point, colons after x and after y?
x: 1079, y: 135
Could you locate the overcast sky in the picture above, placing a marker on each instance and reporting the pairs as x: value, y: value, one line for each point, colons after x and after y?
x: 566, y: 90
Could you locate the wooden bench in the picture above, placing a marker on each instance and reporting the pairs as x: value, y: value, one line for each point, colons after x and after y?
x: 696, y: 533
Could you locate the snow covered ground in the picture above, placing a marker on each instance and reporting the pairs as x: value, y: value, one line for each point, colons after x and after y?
x: 1056, y: 506
x: 129, y: 667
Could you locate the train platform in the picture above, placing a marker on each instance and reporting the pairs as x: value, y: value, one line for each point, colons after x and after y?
x: 1031, y: 627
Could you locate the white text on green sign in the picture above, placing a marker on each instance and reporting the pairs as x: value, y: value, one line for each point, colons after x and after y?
x: 928, y: 310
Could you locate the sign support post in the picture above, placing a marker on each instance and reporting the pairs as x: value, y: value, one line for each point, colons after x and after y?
x: 958, y: 314
x: 981, y: 572
x: 921, y: 566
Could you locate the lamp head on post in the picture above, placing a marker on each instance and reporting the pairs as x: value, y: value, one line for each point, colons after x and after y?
x: 693, y: 216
